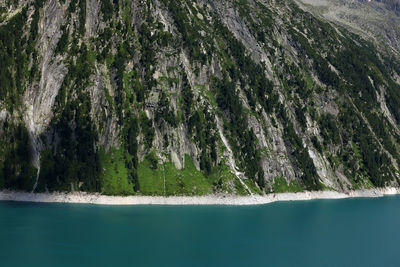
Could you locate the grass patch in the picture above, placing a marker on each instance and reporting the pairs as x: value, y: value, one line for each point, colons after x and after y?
x: 253, y: 187
x: 222, y: 179
x: 357, y: 154
x: 281, y: 186
x: 326, y: 188
x: 151, y: 180
x: 211, y: 98
x: 363, y: 181
x: 188, y: 181
x: 309, y: 81
x: 240, y: 189
x: 114, y: 173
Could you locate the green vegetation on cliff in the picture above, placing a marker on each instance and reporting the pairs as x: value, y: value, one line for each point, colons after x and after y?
x: 112, y: 97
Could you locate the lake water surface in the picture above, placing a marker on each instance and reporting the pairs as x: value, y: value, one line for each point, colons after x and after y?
x: 349, y: 232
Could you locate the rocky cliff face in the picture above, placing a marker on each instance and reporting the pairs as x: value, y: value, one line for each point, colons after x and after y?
x: 192, y: 97
x: 375, y: 20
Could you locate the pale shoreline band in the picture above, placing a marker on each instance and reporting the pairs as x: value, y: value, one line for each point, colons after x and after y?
x: 79, y: 197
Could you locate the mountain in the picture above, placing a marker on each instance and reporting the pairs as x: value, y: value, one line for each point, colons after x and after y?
x: 164, y: 97
x: 374, y: 20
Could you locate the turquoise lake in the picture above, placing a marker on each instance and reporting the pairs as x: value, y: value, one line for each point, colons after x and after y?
x: 349, y: 232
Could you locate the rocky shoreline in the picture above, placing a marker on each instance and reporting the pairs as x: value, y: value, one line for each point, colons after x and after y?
x: 99, y: 199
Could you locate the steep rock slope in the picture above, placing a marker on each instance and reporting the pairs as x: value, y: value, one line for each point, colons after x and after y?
x: 165, y: 97
x: 375, y: 20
